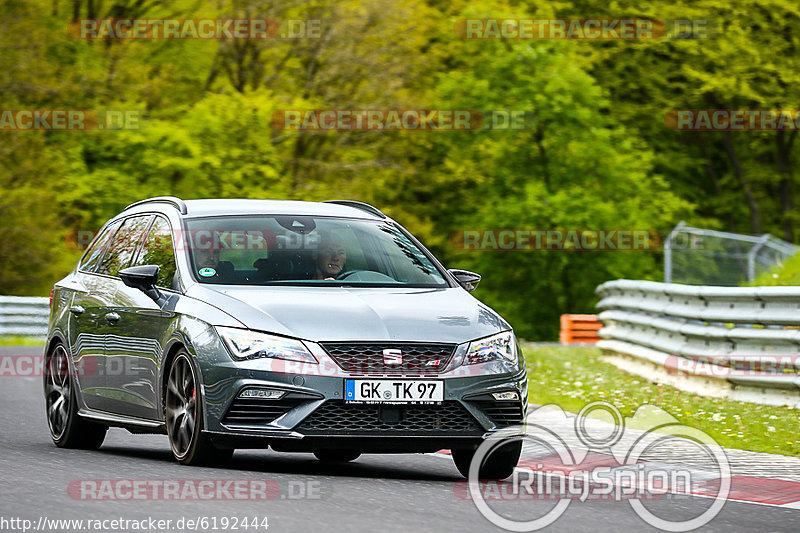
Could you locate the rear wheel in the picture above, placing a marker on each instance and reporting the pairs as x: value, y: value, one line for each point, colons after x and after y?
x: 497, y: 465
x: 337, y: 456
x: 184, y: 416
x: 67, y: 429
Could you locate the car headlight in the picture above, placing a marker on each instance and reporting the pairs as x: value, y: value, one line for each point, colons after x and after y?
x: 246, y: 344
x: 500, y: 347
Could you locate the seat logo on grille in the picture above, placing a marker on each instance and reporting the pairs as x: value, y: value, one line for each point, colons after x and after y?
x: 392, y: 356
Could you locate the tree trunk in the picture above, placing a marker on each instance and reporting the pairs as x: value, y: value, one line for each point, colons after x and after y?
x: 712, y: 175
x: 786, y: 190
x: 738, y: 171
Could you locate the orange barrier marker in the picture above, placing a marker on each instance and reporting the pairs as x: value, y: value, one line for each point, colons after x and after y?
x: 579, y: 329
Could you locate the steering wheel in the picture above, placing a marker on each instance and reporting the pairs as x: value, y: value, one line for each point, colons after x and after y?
x: 369, y: 275
x: 346, y: 274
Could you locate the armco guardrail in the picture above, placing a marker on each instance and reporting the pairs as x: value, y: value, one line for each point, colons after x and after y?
x: 24, y: 315
x: 748, y: 337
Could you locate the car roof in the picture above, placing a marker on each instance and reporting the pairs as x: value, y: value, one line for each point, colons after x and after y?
x: 271, y: 207
x: 241, y: 206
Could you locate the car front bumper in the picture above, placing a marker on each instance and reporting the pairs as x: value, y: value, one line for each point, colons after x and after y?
x: 312, y: 414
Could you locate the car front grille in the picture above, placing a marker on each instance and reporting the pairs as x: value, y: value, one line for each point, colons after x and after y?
x: 363, y: 358
x: 337, y: 417
x: 502, y: 413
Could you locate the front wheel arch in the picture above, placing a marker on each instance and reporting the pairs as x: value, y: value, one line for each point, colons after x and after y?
x: 199, y: 449
x: 56, y: 338
x: 173, y: 349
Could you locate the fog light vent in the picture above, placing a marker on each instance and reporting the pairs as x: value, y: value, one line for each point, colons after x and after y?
x: 262, y: 394
x: 507, y: 395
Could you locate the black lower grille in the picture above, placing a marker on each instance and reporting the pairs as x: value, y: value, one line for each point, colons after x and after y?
x: 389, y: 358
x: 254, y: 411
x: 503, y: 414
x: 353, y: 419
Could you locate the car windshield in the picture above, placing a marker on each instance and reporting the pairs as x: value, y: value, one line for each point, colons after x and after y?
x: 305, y: 250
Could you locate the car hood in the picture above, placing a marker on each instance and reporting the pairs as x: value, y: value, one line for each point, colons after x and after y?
x: 358, y: 314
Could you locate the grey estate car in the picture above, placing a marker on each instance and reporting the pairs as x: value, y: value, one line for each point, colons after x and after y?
x: 300, y: 326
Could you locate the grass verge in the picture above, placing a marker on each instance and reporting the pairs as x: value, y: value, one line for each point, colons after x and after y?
x: 786, y: 274
x: 572, y: 377
x: 20, y: 341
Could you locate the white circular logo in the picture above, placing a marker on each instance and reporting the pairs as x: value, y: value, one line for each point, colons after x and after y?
x: 559, y: 432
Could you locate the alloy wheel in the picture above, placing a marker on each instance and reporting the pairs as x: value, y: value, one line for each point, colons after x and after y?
x: 181, y: 406
x: 57, y: 391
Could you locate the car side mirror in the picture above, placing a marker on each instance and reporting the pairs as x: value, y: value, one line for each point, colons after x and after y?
x: 144, y: 278
x: 465, y: 278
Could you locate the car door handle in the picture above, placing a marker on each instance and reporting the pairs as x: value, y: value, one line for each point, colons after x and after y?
x: 77, y: 310
x: 112, y: 318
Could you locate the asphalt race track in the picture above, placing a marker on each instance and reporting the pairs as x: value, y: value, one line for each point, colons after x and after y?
x: 376, y: 493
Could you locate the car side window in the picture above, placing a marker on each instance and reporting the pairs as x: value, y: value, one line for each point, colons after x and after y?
x: 159, y: 250
x: 123, y: 246
x: 95, y: 253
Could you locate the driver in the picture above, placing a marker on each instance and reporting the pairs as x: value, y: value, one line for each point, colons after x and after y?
x: 330, y: 256
x: 206, y: 258
x: 210, y: 267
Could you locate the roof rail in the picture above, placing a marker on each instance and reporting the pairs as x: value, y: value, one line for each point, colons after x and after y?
x: 176, y: 202
x: 358, y: 205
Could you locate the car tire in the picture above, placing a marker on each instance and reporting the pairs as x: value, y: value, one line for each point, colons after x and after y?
x: 183, y: 416
x: 337, y: 456
x: 498, y: 465
x: 67, y: 428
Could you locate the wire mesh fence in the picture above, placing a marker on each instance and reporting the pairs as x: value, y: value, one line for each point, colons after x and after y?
x: 696, y: 256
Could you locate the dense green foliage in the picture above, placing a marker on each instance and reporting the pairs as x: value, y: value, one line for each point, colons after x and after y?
x: 596, y: 153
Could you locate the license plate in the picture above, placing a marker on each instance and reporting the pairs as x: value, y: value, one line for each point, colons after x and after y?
x: 393, y: 391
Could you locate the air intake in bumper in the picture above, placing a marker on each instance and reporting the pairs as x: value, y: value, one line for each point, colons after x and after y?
x: 335, y: 417
x: 262, y: 411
